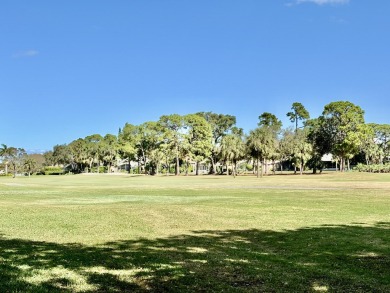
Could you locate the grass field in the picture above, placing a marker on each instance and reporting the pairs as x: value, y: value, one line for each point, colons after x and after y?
x: 283, y: 233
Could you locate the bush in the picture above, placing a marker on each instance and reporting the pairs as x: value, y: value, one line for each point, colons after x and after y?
x: 102, y: 169
x: 246, y: 167
x: 378, y: 168
x: 53, y: 170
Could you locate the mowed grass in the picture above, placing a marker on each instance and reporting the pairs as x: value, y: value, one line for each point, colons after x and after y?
x: 283, y: 233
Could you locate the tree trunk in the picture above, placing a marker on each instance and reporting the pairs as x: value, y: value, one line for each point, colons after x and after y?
x: 177, y: 168
x: 143, y: 161
x: 212, y: 169
x: 197, y: 168
x: 6, y: 168
x: 258, y: 164
x: 342, y: 164
x: 301, y: 168
x: 129, y: 165
x: 281, y: 167
x: 262, y: 168
x: 348, y: 164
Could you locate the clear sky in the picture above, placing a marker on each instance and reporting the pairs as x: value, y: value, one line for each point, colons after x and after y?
x: 69, y: 69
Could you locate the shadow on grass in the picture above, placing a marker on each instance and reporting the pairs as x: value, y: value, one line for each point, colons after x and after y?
x: 328, y: 258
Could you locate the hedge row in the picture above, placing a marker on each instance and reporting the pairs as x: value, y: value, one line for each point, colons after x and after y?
x: 49, y: 170
x: 379, y: 168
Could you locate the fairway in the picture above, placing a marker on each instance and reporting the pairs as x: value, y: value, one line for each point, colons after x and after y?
x: 123, y: 233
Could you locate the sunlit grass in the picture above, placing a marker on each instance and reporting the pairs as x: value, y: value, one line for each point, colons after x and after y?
x: 87, y: 233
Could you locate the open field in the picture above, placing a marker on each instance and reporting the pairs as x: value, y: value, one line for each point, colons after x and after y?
x: 284, y: 233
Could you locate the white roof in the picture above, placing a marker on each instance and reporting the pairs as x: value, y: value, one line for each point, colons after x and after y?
x: 327, y: 158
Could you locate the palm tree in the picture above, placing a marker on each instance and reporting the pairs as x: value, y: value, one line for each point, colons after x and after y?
x: 29, y: 165
x: 232, y: 150
x: 227, y: 151
x: 5, y: 152
x: 14, y: 157
x: 262, y: 144
x: 302, y: 150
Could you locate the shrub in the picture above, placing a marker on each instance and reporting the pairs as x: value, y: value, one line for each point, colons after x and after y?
x: 53, y: 170
x: 102, y: 169
x: 378, y: 168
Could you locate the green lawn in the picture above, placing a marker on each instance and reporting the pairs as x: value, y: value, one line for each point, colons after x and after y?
x: 283, y: 233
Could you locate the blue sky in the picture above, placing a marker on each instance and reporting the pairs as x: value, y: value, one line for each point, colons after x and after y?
x: 69, y: 69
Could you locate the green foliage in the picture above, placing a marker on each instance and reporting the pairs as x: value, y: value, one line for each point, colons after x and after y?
x: 29, y: 165
x: 173, y: 135
x: 299, y: 113
x: 270, y: 120
x: 262, y: 142
x: 102, y: 169
x: 382, y: 139
x: 193, y: 138
x: 233, y: 149
x: 79, y: 155
x: 127, y: 141
x: 13, y: 157
x: 53, y: 170
x: 60, y: 155
x: 375, y: 168
x: 343, y: 123
x: 221, y: 125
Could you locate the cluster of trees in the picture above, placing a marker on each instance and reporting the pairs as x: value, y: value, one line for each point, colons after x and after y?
x: 16, y: 159
x: 175, y: 141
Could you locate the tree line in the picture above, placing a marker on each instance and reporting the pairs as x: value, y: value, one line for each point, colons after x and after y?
x: 175, y: 143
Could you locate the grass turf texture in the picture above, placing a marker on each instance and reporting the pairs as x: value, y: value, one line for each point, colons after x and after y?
x: 283, y: 233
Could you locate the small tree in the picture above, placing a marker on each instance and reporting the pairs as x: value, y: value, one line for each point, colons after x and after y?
x: 320, y: 144
x: 301, y: 149
x: 94, y: 145
x: 198, y: 139
x: 173, y: 135
x: 382, y: 139
x: 261, y: 143
x: 221, y: 125
x: 16, y: 157
x: 29, y: 165
x: 127, y: 140
x: 109, y: 151
x: 5, y: 152
x: 285, y: 146
x: 233, y: 149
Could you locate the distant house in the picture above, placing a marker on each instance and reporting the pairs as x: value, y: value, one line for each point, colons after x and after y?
x: 327, y: 158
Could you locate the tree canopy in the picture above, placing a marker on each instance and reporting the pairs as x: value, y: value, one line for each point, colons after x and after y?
x: 212, y: 139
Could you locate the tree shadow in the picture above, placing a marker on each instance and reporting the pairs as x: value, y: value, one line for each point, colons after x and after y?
x: 352, y: 258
